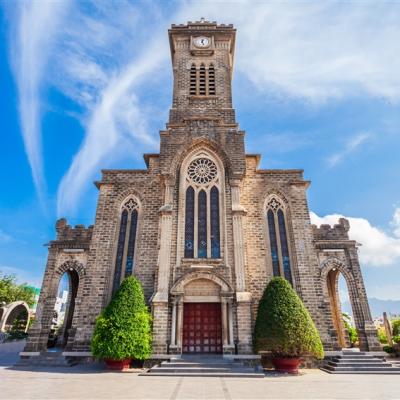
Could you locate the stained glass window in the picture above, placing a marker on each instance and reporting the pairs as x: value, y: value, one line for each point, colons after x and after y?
x: 131, y: 244
x: 189, y: 223
x: 120, y: 250
x: 202, y: 225
x: 215, y: 242
x: 284, y: 246
x: 273, y: 243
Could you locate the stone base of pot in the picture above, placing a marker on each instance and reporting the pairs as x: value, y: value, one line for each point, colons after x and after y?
x: 289, y: 365
x: 118, y: 365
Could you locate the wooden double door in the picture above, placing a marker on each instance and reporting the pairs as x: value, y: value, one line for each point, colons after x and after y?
x: 202, y: 328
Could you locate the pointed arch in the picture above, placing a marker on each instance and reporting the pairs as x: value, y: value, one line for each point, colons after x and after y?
x: 276, y: 211
x: 126, y: 239
x: 201, y: 198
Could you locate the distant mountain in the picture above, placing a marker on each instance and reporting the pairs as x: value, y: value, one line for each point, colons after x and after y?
x: 377, y: 306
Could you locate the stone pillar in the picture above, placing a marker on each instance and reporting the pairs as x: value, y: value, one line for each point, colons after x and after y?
x: 179, y: 325
x: 224, y: 317
x: 160, y: 299
x: 243, y: 297
x: 38, y: 334
x: 367, y: 331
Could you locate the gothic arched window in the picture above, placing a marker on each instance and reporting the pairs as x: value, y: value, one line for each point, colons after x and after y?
x: 202, y: 215
x: 278, y: 239
x: 125, y: 257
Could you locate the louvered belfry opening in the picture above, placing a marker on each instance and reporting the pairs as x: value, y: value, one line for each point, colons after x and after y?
x: 202, y: 80
x: 211, y: 80
x: 193, y: 80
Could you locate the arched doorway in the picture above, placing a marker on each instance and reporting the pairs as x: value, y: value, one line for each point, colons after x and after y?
x: 63, y: 309
x: 202, y: 316
x: 342, y: 319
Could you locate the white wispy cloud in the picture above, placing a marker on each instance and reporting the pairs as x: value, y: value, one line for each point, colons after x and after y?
x: 351, y: 146
x: 104, y: 53
x: 378, y: 248
x: 395, y: 223
x: 313, y: 50
x: 37, y: 24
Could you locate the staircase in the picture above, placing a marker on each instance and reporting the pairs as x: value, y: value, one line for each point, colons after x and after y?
x: 352, y: 362
x: 204, y: 366
x: 46, y: 359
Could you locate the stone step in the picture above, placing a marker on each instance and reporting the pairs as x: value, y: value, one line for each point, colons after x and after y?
x: 361, y: 368
x: 199, y: 365
x: 376, y: 372
x: 201, y: 370
x: 377, y: 361
x: 208, y: 374
x: 373, y: 364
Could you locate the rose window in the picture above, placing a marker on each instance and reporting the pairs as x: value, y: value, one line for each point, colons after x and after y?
x: 202, y: 170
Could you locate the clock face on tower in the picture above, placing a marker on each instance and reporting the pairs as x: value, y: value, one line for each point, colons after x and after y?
x: 202, y: 42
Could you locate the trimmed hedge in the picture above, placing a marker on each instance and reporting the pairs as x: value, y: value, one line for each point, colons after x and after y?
x: 283, y: 324
x: 123, y: 329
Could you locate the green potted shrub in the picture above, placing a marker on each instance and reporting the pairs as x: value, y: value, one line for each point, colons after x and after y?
x: 284, y: 327
x: 123, y: 330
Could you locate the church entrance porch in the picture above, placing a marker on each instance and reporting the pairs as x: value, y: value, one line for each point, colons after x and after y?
x: 202, y: 328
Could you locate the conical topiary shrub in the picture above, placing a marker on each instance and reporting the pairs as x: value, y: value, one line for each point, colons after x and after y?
x: 123, y: 329
x: 283, y: 324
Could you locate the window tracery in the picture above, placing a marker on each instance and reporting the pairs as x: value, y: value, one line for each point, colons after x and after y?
x: 125, y: 255
x: 278, y: 239
x: 202, y: 209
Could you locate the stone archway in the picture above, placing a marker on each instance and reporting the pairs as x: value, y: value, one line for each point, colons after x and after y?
x: 13, y: 311
x: 331, y: 271
x: 202, y: 314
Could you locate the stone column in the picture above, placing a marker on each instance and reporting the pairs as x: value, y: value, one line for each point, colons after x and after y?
x: 224, y: 317
x: 160, y: 299
x: 367, y: 331
x: 179, y: 325
x: 243, y: 297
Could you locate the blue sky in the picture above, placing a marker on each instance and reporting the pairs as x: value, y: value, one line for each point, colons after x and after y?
x: 87, y: 85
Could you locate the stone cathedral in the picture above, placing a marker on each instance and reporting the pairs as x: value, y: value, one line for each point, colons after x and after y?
x: 203, y: 228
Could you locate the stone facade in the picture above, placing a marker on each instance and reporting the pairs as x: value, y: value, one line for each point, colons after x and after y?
x: 234, y: 260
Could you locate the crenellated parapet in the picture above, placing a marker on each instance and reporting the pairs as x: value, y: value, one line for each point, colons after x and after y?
x: 68, y: 236
x: 339, y: 231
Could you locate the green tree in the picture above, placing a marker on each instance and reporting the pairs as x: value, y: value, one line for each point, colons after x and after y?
x: 283, y: 324
x: 10, y: 291
x: 123, y: 329
x: 396, y: 326
x: 353, y: 335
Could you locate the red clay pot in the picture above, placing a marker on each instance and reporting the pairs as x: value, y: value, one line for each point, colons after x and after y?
x: 289, y: 365
x: 118, y: 365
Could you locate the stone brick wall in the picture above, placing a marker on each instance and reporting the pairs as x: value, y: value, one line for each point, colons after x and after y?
x: 204, y: 123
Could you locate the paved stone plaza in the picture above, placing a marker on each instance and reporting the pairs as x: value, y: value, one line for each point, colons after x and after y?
x: 88, y: 384
x: 96, y: 383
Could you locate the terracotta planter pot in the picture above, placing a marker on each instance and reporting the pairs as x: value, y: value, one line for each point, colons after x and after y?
x: 118, y: 365
x: 289, y: 365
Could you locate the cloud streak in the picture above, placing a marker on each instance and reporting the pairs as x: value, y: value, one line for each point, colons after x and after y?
x: 36, y: 28
x: 106, y: 52
x: 351, y: 146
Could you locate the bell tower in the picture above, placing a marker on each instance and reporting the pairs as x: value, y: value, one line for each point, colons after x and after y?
x: 202, y: 56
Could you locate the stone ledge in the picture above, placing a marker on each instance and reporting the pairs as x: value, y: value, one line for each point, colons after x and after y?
x: 29, y: 353
x: 76, y: 354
